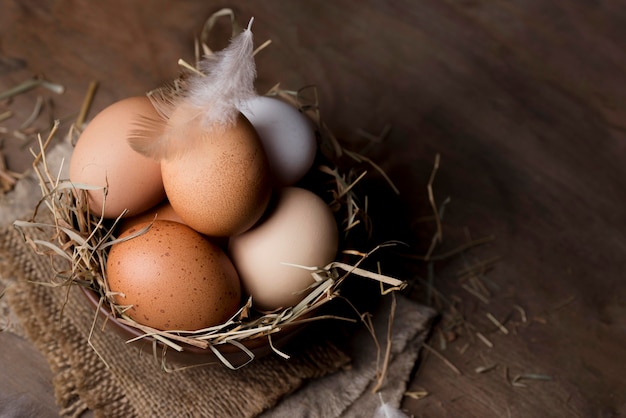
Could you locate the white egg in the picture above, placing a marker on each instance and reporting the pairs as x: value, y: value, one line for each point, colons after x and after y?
x: 287, y: 135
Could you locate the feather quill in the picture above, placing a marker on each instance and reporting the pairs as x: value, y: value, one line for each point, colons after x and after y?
x: 201, y: 103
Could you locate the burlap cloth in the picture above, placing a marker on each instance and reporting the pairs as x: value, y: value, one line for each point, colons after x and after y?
x: 112, y: 380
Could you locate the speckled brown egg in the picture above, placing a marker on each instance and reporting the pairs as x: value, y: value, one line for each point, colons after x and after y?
x: 173, y: 277
x: 223, y: 185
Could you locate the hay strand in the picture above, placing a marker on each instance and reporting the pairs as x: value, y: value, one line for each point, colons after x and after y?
x: 442, y: 358
x: 86, y: 105
x: 382, y: 374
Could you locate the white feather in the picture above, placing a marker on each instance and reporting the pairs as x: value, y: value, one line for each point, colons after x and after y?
x: 388, y: 411
x: 385, y: 410
x: 229, y: 81
x: 201, y: 103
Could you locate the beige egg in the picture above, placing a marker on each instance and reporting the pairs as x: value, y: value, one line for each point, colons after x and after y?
x: 174, y: 278
x: 299, y: 229
x: 103, y: 157
x: 223, y: 185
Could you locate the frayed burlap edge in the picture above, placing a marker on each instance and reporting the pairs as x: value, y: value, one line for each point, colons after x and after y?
x: 53, y: 334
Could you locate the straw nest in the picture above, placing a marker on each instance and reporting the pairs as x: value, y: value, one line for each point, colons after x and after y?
x: 78, y: 242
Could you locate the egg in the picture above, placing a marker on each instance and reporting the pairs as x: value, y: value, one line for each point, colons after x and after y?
x: 173, y: 278
x: 103, y: 157
x: 287, y: 135
x: 222, y: 186
x: 299, y: 229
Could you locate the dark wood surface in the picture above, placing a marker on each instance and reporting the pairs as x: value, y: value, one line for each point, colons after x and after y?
x: 525, y: 103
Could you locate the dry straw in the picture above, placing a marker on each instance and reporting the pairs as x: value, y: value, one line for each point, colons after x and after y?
x: 78, y: 244
x: 26, y: 129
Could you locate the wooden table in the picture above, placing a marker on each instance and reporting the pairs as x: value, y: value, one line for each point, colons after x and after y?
x: 523, y: 101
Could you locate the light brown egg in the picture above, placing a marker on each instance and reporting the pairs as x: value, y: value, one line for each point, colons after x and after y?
x: 103, y: 157
x: 174, y: 278
x: 299, y: 229
x: 223, y: 185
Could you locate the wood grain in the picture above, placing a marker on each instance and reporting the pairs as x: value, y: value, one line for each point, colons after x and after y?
x: 524, y: 103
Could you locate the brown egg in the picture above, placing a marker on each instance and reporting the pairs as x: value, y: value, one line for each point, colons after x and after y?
x: 174, y: 278
x: 299, y: 229
x: 222, y: 186
x: 103, y: 157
